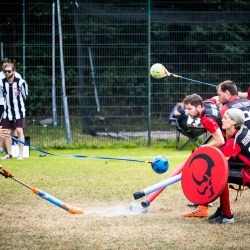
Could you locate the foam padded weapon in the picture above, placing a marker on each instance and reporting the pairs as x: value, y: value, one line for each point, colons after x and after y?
x: 157, y: 186
x: 158, y: 71
x: 159, y: 164
x: 46, y: 196
x: 146, y: 202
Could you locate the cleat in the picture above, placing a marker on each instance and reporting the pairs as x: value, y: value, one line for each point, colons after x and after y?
x: 222, y: 220
x: 200, y: 211
x: 216, y: 215
x: 20, y: 157
x: 7, y: 157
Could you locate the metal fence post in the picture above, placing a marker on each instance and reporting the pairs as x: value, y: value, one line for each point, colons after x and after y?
x: 149, y: 83
x: 65, y: 102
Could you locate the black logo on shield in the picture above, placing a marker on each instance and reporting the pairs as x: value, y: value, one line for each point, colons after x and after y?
x: 205, y: 184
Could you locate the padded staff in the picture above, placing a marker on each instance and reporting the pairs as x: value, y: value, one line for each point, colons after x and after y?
x: 158, y: 71
x: 151, y: 197
x: 46, y: 196
x: 157, y: 186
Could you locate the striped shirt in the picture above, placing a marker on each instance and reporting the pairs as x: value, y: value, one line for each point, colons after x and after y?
x: 15, y: 95
x: 2, y: 76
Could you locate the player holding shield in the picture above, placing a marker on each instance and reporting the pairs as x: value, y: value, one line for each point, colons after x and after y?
x: 209, y: 114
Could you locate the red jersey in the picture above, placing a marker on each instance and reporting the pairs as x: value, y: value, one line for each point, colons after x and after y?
x: 239, y: 147
x: 209, y: 124
x: 228, y: 148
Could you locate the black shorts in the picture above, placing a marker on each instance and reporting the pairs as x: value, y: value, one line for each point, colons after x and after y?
x: 19, y: 123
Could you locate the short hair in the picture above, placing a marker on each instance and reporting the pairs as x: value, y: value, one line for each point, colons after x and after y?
x: 11, y: 65
x: 5, y: 60
x: 194, y: 100
x: 229, y: 86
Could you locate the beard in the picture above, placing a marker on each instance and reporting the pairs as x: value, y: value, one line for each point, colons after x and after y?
x: 195, y: 115
x: 9, y: 76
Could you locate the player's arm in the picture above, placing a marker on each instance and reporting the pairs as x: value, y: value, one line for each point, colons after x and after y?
x: 24, y: 89
x: 1, y: 88
x: 242, y: 95
x: 211, y: 125
x: 217, y: 140
x: 231, y: 149
x: 4, y: 132
x: 245, y: 95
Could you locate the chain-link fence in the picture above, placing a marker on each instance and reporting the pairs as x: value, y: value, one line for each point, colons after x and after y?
x: 87, y: 62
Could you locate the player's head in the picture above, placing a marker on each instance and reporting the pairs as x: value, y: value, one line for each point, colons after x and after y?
x: 233, y: 118
x: 9, y: 70
x: 194, y: 105
x: 225, y: 90
x: 4, y: 62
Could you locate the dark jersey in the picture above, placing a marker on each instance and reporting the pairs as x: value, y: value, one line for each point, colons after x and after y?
x: 242, y: 104
x: 243, y: 140
x: 212, y: 110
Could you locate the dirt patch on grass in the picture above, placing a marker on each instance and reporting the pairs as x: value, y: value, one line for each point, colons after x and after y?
x: 39, y: 225
x: 104, y: 189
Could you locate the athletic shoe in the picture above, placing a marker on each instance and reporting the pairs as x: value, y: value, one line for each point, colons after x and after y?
x: 200, y: 211
x: 2, y: 151
x: 222, y: 220
x: 216, y: 215
x: 20, y: 157
x: 196, y: 205
x: 6, y: 157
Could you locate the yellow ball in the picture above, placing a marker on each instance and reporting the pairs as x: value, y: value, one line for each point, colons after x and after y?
x: 157, y: 70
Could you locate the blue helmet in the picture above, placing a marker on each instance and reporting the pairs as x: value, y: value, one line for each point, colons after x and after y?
x: 160, y: 164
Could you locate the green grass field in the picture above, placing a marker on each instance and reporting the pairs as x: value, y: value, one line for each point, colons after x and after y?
x: 104, y: 190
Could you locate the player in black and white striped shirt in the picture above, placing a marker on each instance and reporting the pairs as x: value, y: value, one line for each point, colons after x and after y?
x: 4, y: 63
x: 15, y: 93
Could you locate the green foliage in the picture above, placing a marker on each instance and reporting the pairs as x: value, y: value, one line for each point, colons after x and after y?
x: 205, y: 40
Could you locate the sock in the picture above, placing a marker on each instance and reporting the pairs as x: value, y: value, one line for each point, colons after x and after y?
x: 225, y: 202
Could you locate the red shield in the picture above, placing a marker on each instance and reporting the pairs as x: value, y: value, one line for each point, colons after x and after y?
x: 204, y: 175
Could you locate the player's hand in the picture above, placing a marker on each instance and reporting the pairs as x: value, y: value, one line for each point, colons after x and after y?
x: 4, y: 132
